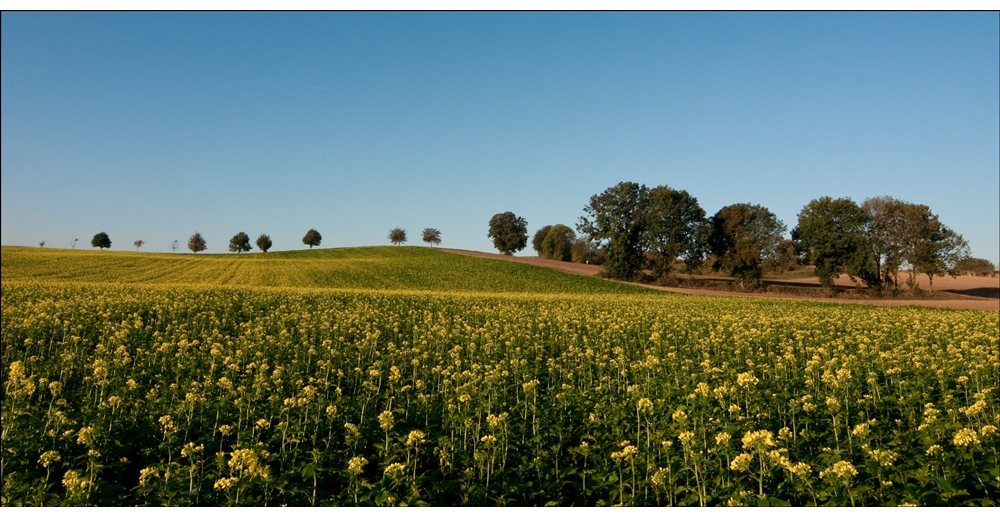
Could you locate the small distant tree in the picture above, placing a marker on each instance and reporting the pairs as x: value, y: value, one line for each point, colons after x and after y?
x: 975, y: 266
x: 101, y: 240
x: 786, y: 259
x: 509, y: 232
x: 584, y: 251
x: 558, y: 243
x: 197, y: 243
x: 73, y: 244
x: 312, y: 238
x: 264, y: 242
x: 138, y: 244
x: 240, y: 243
x: 41, y: 244
x: 743, y: 237
x: 397, y: 236
x: 173, y: 246
x: 431, y: 236
x: 536, y: 241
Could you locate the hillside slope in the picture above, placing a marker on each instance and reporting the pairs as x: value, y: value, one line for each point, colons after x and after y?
x: 382, y: 267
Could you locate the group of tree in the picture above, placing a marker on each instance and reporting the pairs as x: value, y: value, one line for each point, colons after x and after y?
x: 646, y: 228
x: 640, y: 228
x: 554, y: 242
x: 431, y: 236
x: 871, y: 242
x: 240, y: 243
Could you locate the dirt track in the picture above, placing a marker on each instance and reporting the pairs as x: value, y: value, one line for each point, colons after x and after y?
x: 963, y: 289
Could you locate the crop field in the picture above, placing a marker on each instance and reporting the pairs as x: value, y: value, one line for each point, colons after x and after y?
x: 408, y: 376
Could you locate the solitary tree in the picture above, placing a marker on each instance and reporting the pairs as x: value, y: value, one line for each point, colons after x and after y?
x: 432, y: 236
x: 264, y: 242
x: 617, y: 217
x: 536, y: 241
x: 101, y: 240
x: 138, y: 244
x: 397, y: 236
x: 743, y: 237
x: 833, y: 233
x: 509, y: 232
x: 197, y: 243
x: 558, y: 242
x: 173, y: 246
x: 312, y: 238
x: 240, y: 243
x: 675, y: 228
x: 41, y: 244
x: 73, y: 244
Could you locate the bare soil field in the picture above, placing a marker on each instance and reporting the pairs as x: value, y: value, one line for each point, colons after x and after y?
x: 964, y: 292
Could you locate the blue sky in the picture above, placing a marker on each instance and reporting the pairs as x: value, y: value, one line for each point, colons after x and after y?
x: 156, y: 125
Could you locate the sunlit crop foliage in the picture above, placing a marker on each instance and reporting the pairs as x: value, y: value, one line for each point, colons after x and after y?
x: 122, y: 393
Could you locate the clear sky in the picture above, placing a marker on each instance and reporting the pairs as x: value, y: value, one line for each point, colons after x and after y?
x: 156, y: 125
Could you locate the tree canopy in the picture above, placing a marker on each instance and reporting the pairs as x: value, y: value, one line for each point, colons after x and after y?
x: 240, y: 243
x: 536, y: 241
x: 312, y: 238
x: 264, y: 242
x: 397, y: 236
x: 675, y: 228
x: 742, y: 237
x: 431, y: 236
x: 833, y: 233
x: 617, y: 217
x: 558, y: 242
x: 509, y: 232
x: 197, y: 243
x: 101, y: 240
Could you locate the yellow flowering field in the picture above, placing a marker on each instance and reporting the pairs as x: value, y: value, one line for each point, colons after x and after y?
x: 473, y: 382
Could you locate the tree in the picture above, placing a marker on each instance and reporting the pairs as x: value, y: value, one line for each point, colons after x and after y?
x: 431, y: 236
x: 834, y: 234
x: 558, y: 242
x: 617, y: 217
x: 584, y: 251
x: 264, y: 242
x: 743, y: 236
x: 933, y: 249
x: 976, y: 266
x: 509, y: 233
x: 101, y: 240
x: 173, y: 246
x: 240, y: 243
x: 397, y: 236
x: 787, y: 258
x: 312, y: 238
x: 887, y: 235
x: 197, y: 243
x: 41, y: 244
x: 675, y: 227
x: 536, y: 241
x: 138, y: 244
x: 73, y: 244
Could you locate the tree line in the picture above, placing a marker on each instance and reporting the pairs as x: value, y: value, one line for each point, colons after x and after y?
x: 240, y: 243
x: 632, y: 229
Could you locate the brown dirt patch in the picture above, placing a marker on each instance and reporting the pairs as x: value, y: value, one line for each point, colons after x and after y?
x: 964, y: 292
